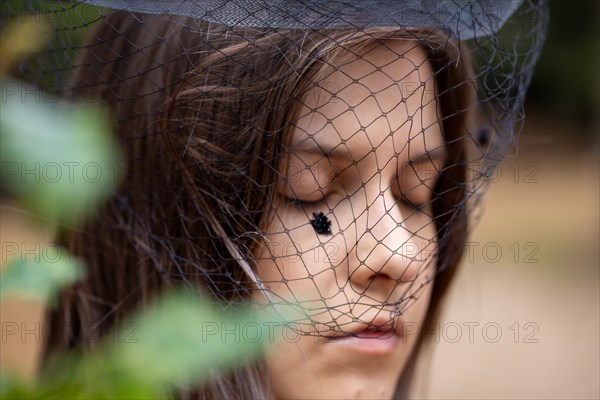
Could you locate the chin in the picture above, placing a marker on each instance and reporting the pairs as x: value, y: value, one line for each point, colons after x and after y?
x: 347, y: 386
x: 309, y: 370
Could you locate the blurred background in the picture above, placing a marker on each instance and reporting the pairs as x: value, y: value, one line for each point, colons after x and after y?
x: 522, y: 320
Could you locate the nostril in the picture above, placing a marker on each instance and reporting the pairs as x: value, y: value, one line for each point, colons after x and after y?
x: 383, y: 276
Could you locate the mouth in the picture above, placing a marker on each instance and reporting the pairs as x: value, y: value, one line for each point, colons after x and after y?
x: 378, y: 327
x: 374, y: 339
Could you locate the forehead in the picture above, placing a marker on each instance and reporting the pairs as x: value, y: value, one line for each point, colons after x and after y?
x: 381, y: 90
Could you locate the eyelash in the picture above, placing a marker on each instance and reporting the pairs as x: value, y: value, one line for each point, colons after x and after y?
x: 301, y: 203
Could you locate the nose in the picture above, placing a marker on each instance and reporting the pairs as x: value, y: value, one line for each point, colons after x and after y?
x: 388, y: 253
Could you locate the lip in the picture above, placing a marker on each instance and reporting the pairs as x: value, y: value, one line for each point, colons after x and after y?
x: 374, y: 339
x: 373, y: 343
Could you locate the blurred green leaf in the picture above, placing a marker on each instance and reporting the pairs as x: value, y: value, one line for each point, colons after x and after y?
x: 13, y: 386
x: 179, y: 340
x: 42, y: 278
x: 60, y: 160
x: 206, y: 338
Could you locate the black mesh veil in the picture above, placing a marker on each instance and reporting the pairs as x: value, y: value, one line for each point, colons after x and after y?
x: 326, y: 156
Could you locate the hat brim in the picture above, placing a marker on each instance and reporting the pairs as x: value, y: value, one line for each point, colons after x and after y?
x: 464, y: 19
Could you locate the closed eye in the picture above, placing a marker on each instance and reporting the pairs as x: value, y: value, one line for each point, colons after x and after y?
x: 296, y: 202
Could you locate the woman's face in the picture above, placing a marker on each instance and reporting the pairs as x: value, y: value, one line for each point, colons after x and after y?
x: 365, y: 152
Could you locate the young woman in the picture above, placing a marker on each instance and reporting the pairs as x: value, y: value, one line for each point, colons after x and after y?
x: 324, y: 169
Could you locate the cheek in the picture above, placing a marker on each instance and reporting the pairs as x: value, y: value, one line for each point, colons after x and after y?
x: 296, y: 263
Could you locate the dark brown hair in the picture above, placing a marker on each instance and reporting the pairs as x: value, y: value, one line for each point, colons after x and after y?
x: 203, y: 113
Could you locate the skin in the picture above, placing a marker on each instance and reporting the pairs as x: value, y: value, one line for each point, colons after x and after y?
x: 364, y: 161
